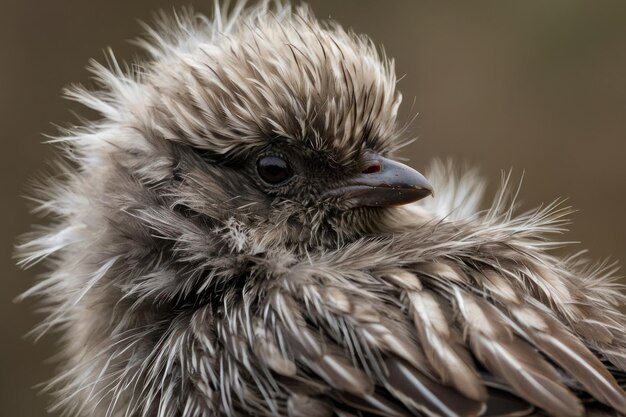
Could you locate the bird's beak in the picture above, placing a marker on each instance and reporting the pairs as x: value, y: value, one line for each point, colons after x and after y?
x: 383, y: 183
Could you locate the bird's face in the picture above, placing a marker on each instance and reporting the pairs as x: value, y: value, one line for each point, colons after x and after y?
x: 284, y: 129
x: 296, y: 194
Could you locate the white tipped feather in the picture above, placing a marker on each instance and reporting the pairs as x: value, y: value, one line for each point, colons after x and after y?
x: 511, y: 359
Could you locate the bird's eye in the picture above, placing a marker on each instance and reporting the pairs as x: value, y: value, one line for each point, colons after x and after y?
x: 273, y: 169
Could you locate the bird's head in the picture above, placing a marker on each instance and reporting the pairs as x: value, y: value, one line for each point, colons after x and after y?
x: 275, y: 124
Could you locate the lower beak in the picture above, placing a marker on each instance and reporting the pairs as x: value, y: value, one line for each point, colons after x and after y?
x: 383, y: 183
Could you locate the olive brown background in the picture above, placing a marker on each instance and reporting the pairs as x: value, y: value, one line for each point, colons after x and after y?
x: 537, y: 86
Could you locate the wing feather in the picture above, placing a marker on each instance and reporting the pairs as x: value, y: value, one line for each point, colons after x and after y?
x: 422, y: 394
x: 440, y: 343
x: 573, y: 356
x: 512, y: 359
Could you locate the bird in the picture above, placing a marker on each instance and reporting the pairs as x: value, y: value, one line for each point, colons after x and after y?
x: 233, y: 235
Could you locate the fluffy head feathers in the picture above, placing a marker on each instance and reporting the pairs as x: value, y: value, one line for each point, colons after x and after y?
x: 228, y: 90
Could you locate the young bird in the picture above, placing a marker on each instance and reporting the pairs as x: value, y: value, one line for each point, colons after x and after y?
x: 233, y: 238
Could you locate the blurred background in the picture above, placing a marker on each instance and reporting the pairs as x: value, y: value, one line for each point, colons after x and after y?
x: 536, y: 86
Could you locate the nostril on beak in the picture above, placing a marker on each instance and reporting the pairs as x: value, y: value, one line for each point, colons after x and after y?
x: 372, y: 168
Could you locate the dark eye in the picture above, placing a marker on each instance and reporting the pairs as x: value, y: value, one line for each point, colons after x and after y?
x: 273, y: 169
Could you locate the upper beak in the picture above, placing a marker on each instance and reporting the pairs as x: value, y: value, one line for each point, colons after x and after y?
x: 383, y: 183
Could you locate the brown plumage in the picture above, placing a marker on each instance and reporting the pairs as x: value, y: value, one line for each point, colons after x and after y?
x: 232, y: 238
